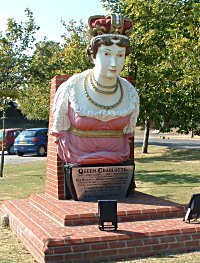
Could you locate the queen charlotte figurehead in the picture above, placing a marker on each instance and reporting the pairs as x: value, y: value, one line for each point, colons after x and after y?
x: 95, y: 112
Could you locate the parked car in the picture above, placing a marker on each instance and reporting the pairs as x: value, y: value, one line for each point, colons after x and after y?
x: 32, y: 141
x: 10, y: 135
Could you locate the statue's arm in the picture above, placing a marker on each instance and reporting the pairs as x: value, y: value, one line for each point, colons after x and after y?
x: 130, y: 128
x: 61, y: 121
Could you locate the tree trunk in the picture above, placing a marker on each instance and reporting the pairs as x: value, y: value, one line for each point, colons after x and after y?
x: 192, y: 133
x: 146, y: 137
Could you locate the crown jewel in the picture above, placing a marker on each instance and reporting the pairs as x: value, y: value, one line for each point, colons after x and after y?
x: 110, y: 25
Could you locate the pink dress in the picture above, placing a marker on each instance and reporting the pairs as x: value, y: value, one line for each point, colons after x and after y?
x: 73, y: 111
x: 80, y: 150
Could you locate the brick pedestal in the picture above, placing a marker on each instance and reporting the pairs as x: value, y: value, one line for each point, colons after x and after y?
x: 65, y: 231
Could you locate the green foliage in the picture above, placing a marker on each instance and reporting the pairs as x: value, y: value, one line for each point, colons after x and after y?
x: 165, y: 53
x: 34, y: 98
x: 14, y: 57
x: 26, y: 75
x: 117, y: 6
x: 74, y: 48
x: 50, y: 59
x: 165, y: 61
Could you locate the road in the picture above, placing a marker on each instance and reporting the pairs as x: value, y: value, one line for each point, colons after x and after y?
x: 154, y: 139
x: 14, y: 159
x: 183, y: 143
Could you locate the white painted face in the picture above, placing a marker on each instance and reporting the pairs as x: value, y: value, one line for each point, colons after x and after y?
x: 109, y: 61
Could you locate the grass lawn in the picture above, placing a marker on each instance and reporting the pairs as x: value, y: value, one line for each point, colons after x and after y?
x: 21, y: 180
x: 172, y: 174
x: 169, y: 173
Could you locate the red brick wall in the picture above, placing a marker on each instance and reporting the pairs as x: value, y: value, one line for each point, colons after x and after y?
x: 54, y: 171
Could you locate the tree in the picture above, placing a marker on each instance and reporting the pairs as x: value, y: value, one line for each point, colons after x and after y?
x: 50, y: 59
x: 184, y: 56
x: 14, y: 61
x: 161, y: 30
x: 74, y: 48
x: 15, y: 46
x: 34, y: 99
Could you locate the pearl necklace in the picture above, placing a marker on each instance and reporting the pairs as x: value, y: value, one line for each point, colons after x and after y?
x: 106, y: 107
x: 110, y: 91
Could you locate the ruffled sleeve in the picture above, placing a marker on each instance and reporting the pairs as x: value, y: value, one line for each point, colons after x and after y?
x: 61, y: 121
x: 130, y: 128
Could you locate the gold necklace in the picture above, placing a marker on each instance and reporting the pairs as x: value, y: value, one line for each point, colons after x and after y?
x: 100, y: 85
x: 106, y: 107
x: 108, y: 92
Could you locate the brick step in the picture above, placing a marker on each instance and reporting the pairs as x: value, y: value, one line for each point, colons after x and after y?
x: 49, y: 241
x: 138, y: 206
x: 20, y: 222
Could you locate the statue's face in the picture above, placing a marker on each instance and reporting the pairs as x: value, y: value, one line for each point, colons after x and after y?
x: 109, y: 61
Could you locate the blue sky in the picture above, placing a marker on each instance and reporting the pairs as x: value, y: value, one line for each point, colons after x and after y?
x: 48, y: 13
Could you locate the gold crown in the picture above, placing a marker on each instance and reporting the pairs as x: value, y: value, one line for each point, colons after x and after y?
x: 110, y: 25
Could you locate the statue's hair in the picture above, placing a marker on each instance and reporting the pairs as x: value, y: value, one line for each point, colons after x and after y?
x: 96, y: 43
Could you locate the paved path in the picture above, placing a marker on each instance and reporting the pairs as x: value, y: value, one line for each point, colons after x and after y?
x: 14, y: 159
x: 183, y: 143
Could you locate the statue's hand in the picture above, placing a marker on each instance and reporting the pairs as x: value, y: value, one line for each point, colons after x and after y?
x: 57, y: 134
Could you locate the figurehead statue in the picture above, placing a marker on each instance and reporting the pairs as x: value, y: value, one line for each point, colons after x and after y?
x: 95, y: 112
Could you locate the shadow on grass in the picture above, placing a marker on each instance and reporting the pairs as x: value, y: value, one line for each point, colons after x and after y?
x: 172, y: 155
x: 164, y: 177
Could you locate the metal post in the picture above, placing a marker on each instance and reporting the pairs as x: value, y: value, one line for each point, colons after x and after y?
x: 2, y: 150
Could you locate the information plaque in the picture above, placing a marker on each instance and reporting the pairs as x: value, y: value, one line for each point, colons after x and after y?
x: 98, y: 182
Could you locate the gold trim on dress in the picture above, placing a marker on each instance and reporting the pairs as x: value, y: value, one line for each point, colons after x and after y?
x: 95, y: 133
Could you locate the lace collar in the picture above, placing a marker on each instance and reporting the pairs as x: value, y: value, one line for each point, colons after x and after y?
x: 81, y: 105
